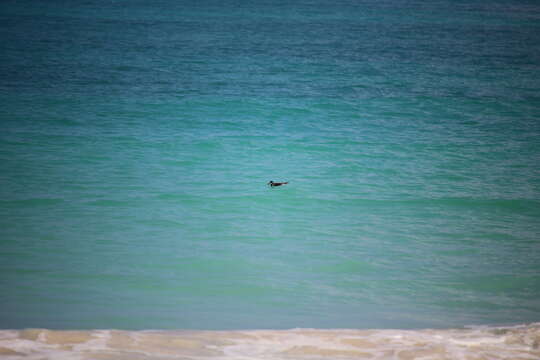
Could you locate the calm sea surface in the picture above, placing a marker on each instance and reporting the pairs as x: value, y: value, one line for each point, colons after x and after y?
x: 137, y: 138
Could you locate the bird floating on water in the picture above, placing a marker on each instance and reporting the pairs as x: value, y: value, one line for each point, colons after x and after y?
x: 272, y: 184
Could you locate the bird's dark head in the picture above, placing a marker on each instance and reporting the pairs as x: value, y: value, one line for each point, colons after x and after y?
x: 270, y: 182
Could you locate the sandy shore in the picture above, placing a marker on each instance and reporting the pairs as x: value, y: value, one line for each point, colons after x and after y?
x: 481, y: 343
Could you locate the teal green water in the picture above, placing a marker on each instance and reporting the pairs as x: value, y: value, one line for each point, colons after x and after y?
x: 137, y: 140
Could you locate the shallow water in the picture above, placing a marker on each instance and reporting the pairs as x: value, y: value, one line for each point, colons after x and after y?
x: 137, y: 140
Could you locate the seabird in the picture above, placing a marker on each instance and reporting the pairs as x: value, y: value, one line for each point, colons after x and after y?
x: 272, y: 184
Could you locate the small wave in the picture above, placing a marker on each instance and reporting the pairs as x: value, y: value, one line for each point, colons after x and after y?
x: 32, y: 202
x: 510, y: 204
x: 482, y: 342
x: 110, y: 203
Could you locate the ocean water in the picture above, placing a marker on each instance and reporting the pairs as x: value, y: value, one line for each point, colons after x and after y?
x: 137, y: 139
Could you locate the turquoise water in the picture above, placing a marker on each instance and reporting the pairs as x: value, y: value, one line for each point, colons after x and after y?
x: 137, y: 139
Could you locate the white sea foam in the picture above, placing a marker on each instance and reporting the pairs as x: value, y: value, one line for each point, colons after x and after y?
x: 518, y: 342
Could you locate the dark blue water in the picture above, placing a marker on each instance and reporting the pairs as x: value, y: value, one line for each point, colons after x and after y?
x: 137, y: 139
